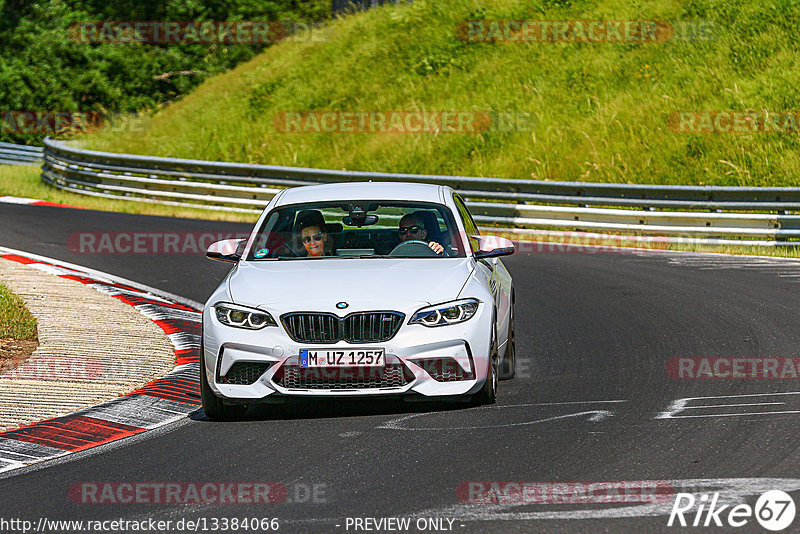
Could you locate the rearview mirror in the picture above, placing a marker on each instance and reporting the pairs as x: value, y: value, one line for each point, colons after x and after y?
x: 492, y: 246
x: 226, y: 250
x: 366, y: 220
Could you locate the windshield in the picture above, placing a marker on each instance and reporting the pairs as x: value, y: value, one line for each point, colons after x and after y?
x: 357, y: 229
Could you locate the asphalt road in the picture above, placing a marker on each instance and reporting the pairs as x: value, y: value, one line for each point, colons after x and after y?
x: 595, y: 333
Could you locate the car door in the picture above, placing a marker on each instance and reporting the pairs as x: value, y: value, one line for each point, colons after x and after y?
x: 496, y: 275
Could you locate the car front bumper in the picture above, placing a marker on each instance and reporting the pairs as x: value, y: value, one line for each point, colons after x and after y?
x: 421, y: 361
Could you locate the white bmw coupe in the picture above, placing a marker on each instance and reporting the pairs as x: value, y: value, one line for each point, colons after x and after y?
x: 359, y: 289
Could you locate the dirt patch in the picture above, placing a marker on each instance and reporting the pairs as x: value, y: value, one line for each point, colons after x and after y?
x: 15, y: 351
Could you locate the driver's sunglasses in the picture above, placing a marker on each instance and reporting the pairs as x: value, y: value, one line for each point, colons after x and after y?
x: 410, y: 230
x: 316, y: 237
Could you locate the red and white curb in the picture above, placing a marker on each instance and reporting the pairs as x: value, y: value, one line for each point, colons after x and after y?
x: 160, y: 402
x: 35, y: 202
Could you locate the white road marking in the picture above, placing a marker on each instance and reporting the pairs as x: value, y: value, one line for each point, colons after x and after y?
x: 732, y: 405
x: 733, y: 414
x: 396, y: 424
x: 782, y: 267
x: 681, y: 405
x: 557, y: 403
x: 18, y: 200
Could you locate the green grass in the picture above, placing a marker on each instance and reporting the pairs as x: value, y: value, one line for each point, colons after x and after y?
x: 601, y: 108
x: 16, y: 321
x: 25, y: 181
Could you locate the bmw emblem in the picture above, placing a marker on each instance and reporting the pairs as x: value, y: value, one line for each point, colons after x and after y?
x: 342, y: 305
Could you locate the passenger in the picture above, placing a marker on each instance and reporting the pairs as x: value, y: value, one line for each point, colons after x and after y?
x: 315, y: 239
x: 411, y: 227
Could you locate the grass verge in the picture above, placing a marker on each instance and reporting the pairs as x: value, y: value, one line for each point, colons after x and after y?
x: 18, y: 332
x: 16, y: 321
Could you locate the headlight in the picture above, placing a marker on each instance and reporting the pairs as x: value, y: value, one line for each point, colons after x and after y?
x: 241, y: 317
x: 448, y: 313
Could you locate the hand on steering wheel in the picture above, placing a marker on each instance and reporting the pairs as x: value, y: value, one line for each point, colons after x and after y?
x: 436, y: 247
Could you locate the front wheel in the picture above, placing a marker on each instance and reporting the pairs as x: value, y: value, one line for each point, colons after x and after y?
x: 509, y: 367
x: 213, y: 406
x: 488, y: 393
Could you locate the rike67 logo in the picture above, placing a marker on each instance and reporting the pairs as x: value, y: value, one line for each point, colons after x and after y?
x: 774, y: 510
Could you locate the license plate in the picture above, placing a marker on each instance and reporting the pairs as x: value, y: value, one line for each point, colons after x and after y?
x: 342, y: 358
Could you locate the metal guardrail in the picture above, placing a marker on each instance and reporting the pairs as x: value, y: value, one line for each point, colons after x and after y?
x: 641, y: 209
x: 20, y: 154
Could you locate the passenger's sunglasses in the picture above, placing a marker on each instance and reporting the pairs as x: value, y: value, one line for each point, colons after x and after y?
x: 410, y: 230
x: 316, y: 237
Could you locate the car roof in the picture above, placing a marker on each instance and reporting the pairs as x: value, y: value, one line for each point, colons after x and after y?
x: 362, y: 191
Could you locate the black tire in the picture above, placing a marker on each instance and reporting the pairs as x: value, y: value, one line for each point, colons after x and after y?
x: 509, y: 368
x: 488, y: 393
x: 213, y: 406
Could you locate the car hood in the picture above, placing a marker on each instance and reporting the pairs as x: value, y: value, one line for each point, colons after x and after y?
x: 362, y: 283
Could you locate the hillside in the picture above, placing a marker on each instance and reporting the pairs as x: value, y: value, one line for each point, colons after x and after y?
x: 590, y: 110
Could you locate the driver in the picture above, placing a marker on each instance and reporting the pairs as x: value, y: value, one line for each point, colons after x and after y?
x: 412, y: 228
x: 312, y: 233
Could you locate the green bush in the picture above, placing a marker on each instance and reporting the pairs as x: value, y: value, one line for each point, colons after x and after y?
x: 42, y: 69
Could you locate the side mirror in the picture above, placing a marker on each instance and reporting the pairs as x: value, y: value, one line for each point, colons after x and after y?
x: 492, y: 246
x: 226, y: 250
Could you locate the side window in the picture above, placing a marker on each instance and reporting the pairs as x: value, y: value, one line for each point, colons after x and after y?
x: 267, y: 229
x: 469, y: 224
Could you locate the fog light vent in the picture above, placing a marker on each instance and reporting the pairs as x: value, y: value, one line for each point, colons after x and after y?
x: 444, y: 369
x: 244, y: 373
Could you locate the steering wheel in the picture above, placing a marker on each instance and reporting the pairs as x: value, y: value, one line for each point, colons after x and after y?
x: 282, y: 248
x: 413, y: 248
x: 288, y: 247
